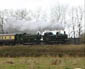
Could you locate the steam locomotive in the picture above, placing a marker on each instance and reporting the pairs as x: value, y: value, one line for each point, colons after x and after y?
x: 47, y: 38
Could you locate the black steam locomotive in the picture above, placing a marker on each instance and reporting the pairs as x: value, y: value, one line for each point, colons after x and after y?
x: 47, y: 38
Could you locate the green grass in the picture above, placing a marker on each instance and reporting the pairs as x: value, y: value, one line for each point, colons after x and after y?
x: 42, y: 57
x: 42, y: 62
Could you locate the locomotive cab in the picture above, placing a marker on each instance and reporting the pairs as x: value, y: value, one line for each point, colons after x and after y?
x: 61, y: 37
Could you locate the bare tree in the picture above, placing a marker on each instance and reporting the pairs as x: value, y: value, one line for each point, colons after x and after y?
x: 79, y: 18
x: 76, y: 18
x: 58, y: 14
x: 21, y: 14
x: 3, y: 15
x: 1, y: 22
x: 73, y: 22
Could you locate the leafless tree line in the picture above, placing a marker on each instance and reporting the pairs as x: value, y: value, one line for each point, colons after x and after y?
x: 72, y: 19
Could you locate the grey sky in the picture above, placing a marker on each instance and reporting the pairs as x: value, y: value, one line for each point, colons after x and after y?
x: 34, y: 4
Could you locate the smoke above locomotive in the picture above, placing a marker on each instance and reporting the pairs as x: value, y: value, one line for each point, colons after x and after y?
x: 14, y: 25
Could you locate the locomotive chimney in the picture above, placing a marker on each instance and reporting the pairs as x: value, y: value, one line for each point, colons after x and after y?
x: 64, y: 32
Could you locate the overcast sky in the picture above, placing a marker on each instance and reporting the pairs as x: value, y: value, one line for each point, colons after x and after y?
x: 35, y: 4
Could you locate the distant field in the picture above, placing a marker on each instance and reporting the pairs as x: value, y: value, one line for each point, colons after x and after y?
x: 42, y: 50
x: 42, y: 62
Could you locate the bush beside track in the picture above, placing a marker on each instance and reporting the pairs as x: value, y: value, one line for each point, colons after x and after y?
x: 42, y: 50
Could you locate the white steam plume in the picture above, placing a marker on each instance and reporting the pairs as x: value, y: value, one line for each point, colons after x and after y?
x: 22, y: 26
